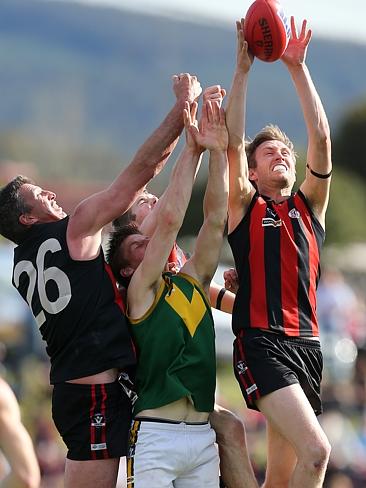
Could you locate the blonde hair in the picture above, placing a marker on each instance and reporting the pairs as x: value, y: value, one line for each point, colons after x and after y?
x: 268, y: 133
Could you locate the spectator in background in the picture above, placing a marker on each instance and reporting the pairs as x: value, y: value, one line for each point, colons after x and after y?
x: 338, y: 312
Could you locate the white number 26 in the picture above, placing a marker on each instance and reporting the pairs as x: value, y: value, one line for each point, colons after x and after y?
x: 40, y: 276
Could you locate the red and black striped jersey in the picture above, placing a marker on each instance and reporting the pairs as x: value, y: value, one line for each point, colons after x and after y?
x: 276, y: 249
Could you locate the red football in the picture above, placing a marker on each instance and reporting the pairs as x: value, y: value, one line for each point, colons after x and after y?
x: 266, y: 30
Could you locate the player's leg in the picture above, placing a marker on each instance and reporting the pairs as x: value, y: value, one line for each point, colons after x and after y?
x: 290, y: 413
x: 157, y: 451
x: 84, y: 474
x: 281, y: 459
x: 235, y: 466
x: 94, y: 422
x: 16, y: 443
x: 200, y: 458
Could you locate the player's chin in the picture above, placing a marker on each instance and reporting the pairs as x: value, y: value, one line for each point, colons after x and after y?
x: 59, y: 215
x: 284, y: 180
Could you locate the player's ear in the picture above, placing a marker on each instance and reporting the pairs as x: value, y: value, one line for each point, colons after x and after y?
x: 28, y: 219
x: 252, y: 174
x: 126, y: 272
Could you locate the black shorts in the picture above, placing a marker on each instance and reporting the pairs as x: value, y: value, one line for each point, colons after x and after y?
x: 265, y: 362
x: 93, y: 420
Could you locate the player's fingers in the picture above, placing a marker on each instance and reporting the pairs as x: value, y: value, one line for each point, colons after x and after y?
x: 212, y: 91
x: 216, y: 111
x: 303, y: 29
x: 187, y: 114
x: 222, y: 116
x: 210, y: 110
x: 308, y: 36
x: 293, y: 28
x: 193, y: 114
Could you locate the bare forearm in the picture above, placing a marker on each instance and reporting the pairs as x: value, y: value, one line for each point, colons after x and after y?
x: 158, y: 147
x: 210, y: 238
x: 178, y: 193
x: 319, y: 144
x: 235, y: 110
x: 314, y: 114
x: 220, y: 298
x: 102, y: 208
x: 216, y: 196
x: 235, y: 122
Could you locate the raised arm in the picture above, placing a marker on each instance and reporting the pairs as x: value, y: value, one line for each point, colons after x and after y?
x: 84, y: 230
x: 213, y: 135
x: 221, y: 298
x: 240, y: 188
x: 319, y: 165
x: 214, y: 94
x: 142, y: 287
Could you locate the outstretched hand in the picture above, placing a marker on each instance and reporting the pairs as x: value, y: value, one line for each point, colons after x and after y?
x: 212, y: 132
x: 191, y: 126
x: 295, y: 53
x: 214, y: 93
x: 244, y: 58
x: 186, y: 87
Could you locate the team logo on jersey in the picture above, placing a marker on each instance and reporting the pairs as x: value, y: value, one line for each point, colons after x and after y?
x: 98, y: 420
x: 251, y: 389
x: 271, y: 213
x: 269, y: 222
x: 294, y: 214
x: 98, y: 447
x: 241, y: 367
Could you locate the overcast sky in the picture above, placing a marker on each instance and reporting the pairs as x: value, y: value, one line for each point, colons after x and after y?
x: 328, y: 18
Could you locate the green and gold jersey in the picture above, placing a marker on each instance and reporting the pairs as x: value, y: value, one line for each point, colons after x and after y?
x: 175, y: 341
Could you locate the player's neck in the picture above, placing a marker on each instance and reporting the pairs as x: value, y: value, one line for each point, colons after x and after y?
x: 276, y: 195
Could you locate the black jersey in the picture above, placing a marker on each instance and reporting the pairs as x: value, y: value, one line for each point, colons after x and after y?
x: 75, y: 303
x: 276, y: 248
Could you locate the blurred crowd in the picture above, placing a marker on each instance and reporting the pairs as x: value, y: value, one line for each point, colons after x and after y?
x: 342, y: 317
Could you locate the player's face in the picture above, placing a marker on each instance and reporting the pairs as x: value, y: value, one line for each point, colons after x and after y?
x: 43, y: 203
x: 134, y: 248
x: 275, y: 165
x: 142, y: 207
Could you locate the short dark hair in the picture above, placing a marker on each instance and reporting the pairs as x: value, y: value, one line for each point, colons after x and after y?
x: 114, y: 254
x: 268, y: 133
x: 12, y: 206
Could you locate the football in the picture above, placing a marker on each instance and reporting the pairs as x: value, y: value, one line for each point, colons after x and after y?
x: 266, y: 30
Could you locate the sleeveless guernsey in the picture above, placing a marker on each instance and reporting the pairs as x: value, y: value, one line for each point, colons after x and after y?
x: 175, y: 342
x: 75, y: 303
x: 276, y: 248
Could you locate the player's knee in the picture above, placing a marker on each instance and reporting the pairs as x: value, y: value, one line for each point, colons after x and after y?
x: 317, y: 454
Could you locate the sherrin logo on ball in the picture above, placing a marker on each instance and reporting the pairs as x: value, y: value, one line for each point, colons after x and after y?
x: 267, y: 30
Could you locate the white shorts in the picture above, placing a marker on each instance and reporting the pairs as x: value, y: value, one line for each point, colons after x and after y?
x: 166, y: 455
